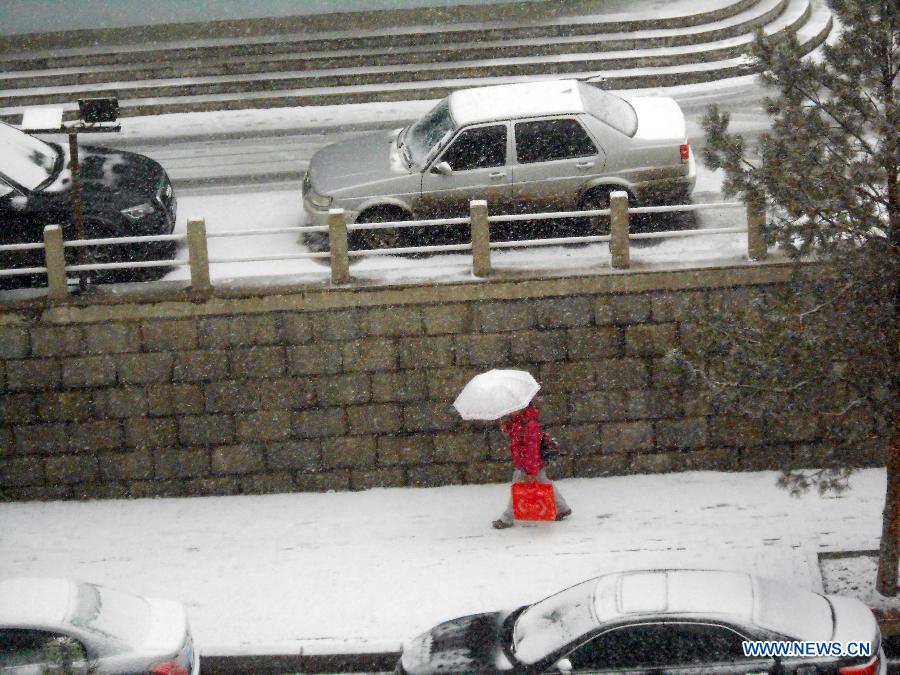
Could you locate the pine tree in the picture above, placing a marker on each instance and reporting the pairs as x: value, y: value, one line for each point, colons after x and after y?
x: 825, y: 351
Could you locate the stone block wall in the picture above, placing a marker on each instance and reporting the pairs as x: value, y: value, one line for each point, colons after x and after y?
x: 337, y: 389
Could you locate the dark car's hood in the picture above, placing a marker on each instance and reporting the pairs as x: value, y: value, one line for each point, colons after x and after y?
x: 358, y: 163
x: 122, y: 179
x: 466, y: 645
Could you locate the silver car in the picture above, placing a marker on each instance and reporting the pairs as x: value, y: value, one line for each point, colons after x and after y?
x: 557, y: 145
x: 63, y: 626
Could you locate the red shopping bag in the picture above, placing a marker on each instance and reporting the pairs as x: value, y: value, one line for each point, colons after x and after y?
x: 533, y: 501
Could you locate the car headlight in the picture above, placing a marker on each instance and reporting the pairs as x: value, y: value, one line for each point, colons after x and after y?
x: 139, y: 211
x: 318, y: 200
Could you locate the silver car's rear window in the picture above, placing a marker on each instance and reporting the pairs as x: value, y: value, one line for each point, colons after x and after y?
x: 111, y: 613
x: 609, y: 108
x: 794, y: 613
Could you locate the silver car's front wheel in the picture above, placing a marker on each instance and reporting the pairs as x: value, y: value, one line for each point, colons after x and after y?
x: 381, y: 238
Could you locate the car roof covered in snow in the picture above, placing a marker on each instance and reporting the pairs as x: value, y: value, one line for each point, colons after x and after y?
x: 512, y: 101
x: 26, y: 601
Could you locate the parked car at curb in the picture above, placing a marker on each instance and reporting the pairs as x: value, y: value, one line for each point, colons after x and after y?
x: 95, y: 629
x: 653, y: 621
x: 123, y: 194
x: 546, y: 146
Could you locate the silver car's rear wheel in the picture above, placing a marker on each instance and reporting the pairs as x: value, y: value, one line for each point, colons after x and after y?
x: 381, y: 238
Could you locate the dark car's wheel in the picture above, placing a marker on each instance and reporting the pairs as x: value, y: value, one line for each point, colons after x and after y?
x: 381, y: 238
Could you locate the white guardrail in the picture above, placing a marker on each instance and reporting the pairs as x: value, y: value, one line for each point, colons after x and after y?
x: 480, y: 245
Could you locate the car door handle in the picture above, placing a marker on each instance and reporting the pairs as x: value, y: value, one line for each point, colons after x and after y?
x: 584, y: 165
x: 497, y: 175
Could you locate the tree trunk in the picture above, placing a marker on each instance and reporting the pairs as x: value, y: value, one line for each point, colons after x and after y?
x: 886, y: 583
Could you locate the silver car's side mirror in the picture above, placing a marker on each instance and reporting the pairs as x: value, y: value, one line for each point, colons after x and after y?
x: 564, y: 666
x: 443, y: 168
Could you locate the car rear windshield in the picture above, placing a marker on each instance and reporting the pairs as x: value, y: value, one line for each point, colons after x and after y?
x: 111, y: 613
x: 609, y: 108
x: 792, y: 612
x: 25, y: 159
x: 425, y: 134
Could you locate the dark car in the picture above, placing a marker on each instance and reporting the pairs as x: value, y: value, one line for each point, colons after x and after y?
x: 655, y: 621
x: 123, y: 194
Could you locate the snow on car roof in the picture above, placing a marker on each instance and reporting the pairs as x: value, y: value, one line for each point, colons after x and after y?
x: 686, y: 592
x: 508, y: 101
x: 34, y: 602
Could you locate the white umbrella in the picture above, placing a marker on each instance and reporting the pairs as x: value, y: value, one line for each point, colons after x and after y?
x: 496, y: 393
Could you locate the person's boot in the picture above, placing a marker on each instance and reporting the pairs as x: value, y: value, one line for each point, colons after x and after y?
x: 564, y: 514
x: 501, y: 524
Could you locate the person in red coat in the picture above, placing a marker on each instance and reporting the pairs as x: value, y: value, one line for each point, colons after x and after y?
x: 524, y: 430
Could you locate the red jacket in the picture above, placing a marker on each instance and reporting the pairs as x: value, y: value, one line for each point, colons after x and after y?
x: 524, y: 433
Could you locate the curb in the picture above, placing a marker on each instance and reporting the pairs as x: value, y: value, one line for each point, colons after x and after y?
x: 273, y: 664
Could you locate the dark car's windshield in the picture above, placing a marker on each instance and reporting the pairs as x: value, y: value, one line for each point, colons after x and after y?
x: 25, y: 159
x: 421, y: 138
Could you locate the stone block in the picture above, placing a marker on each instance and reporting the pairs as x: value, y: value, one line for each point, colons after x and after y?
x: 694, y: 340
x: 205, y: 429
x: 400, y: 387
x: 651, y: 339
x: 264, y: 425
x: 6, y: 442
x: 366, y: 479
x: 19, y: 471
x: 487, y: 472
x: 563, y: 377
x: 101, y: 490
x: 244, y: 458
x: 385, y: 418
x: 337, y: 325
x: 713, y: 459
x: 65, y: 406
x: 40, y: 438
x: 369, y: 354
x: 344, y: 389
x: 149, y: 368
x: 111, y: 338
x: 765, y: 458
x: 481, y: 350
x: 498, y: 317
x: 407, y: 450
x: 219, y: 332
x: 448, y: 319
x: 564, y: 312
x: 142, y: 489
x: 554, y: 408
x: 287, y: 393
x: 632, y: 308
x: 444, y: 384
x: 348, y: 452
x: 294, y: 455
x: 164, y: 335
x: 425, y: 352
x: 621, y: 374
x: 151, y: 432
x: 794, y: 427
x: 281, y: 482
x: 320, y: 422
x: 656, y: 403
x: 616, y: 437
x: 435, y: 475
x: 200, y: 366
x: 599, y: 406
x: 89, y: 371
x: 601, y: 342
x: 603, y: 311
x: 678, y: 306
x: 430, y: 416
x: 231, y: 396
x: 97, y: 435
x: 696, y: 402
x: 67, y: 469
x: 257, y: 363
x: 33, y: 375
x: 683, y: 433
x: 14, y: 343
x: 595, y: 466
x: 735, y: 430
x: 460, y: 447
x: 131, y: 465
x: 125, y: 401
x: 667, y: 373
x: 41, y: 493
x: 575, y: 439
x: 320, y: 358
x: 662, y: 462
x: 295, y: 327
x: 392, y: 321
x: 17, y: 408
x: 173, y: 463
x: 529, y: 347
x: 57, y: 340
x: 323, y: 481
x: 170, y: 400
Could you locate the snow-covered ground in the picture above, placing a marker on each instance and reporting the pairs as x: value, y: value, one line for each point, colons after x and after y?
x: 272, y: 574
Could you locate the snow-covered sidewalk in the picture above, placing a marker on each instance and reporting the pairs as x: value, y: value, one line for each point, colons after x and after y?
x: 368, y: 570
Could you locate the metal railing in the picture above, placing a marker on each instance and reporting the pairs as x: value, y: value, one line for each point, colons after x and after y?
x: 339, y: 255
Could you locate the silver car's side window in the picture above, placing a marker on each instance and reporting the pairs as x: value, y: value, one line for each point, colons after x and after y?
x: 477, y: 148
x: 552, y: 139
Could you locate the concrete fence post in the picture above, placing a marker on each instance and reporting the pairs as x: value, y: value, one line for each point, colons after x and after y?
x: 618, y: 229
x: 337, y: 240
x: 198, y: 255
x: 756, y: 220
x: 481, y: 238
x: 55, y: 260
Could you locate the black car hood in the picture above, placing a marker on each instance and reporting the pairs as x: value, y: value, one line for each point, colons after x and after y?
x: 119, y: 178
x: 465, y: 645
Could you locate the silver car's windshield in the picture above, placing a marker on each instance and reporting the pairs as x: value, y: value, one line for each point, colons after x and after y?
x: 554, y: 622
x: 422, y: 137
x: 609, y: 108
x: 25, y: 159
